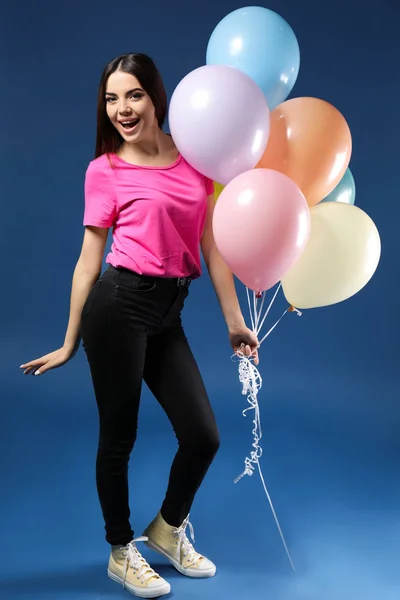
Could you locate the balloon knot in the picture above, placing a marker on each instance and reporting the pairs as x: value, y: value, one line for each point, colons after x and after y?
x: 258, y: 295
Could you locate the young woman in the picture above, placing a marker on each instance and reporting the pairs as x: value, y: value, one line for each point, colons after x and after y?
x: 129, y: 318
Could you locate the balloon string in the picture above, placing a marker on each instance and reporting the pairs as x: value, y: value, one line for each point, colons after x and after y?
x: 268, y: 309
x: 255, y: 310
x: 277, y: 323
x: 275, y: 517
x: 253, y: 325
x: 251, y: 381
x: 259, y: 311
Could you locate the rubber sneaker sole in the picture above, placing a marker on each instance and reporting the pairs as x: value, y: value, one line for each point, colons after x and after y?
x: 151, y: 592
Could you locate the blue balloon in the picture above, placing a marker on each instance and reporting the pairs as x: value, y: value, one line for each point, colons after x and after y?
x: 345, y: 191
x: 260, y: 43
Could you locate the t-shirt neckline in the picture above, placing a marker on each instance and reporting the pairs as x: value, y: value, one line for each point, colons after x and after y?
x: 153, y: 167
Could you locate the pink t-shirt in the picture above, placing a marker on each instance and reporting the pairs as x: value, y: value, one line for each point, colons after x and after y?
x: 157, y: 214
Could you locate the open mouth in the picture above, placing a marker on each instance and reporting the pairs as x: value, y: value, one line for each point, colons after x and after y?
x: 129, y: 124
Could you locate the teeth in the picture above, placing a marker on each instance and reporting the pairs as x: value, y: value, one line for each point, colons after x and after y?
x: 129, y: 122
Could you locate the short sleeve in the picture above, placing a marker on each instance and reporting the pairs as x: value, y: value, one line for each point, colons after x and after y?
x: 209, y: 186
x: 100, y: 201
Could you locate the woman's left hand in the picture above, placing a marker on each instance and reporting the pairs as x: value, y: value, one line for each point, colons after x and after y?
x: 244, y: 340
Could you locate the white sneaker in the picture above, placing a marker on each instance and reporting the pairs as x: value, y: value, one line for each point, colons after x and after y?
x: 172, y: 542
x: 128, y: 567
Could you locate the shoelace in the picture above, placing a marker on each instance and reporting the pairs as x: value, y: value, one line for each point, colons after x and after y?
x: 183, y: 542
x: 135, y: 561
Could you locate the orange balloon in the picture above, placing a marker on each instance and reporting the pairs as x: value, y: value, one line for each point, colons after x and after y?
x: 310, y: 142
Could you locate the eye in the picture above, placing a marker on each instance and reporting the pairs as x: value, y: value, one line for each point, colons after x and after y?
x: 108, y: 99
x: 136, y: 95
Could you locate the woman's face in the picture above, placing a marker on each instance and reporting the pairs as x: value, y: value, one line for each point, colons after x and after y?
x: 129, y: 108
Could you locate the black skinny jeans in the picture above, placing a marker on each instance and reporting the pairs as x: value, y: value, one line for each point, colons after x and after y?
x: 132, y: 331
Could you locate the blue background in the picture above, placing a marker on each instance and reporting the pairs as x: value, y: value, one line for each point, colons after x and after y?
x: 330, y: 400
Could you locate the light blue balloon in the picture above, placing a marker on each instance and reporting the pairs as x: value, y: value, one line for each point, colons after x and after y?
x: 261, y: 43
x: 345, y: 191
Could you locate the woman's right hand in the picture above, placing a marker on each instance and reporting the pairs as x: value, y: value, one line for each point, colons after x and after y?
x: 55, y: 359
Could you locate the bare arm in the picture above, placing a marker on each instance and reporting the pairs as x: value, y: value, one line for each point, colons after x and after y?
x: 86, y: 272
x: 222, y: 279
x: 221, y: 276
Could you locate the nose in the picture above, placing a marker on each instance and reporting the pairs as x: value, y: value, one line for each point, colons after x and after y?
x: 124, y: 109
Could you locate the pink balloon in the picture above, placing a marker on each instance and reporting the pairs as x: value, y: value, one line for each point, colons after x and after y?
x: 219, y: 120
x: 261, y: 226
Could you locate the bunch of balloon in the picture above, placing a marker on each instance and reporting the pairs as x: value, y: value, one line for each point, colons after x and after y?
x: 285, y: 212
x: 219, y: 118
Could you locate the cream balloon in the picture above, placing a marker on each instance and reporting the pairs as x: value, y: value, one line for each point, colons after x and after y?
x: 341, y: 256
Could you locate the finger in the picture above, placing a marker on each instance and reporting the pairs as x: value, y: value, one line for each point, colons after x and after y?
x: 33, y: 363
x: 27, y: 365
x: 41, y: 371
x: 29, y: 370
x: 37, y: 370
x: 44, y: 368
x: 248, y: 350
x: 255, y: 355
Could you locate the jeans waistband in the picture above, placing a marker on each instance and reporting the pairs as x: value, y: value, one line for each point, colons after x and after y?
x: 178, y: 281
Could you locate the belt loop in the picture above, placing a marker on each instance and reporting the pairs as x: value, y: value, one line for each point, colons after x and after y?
x: 183, y: 281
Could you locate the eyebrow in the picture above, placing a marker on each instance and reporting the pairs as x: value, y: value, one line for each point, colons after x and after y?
x: 127, y: 93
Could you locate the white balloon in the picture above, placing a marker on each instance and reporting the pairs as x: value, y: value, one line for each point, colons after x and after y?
x: 219, y: 121
x: 341, y: 256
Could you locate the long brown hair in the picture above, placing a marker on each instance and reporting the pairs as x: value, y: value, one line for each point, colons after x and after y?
x: 141, y: 66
